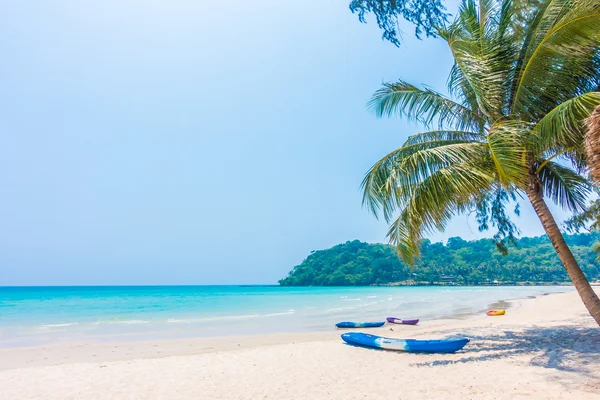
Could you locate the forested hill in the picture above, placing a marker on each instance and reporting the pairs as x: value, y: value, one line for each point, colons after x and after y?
x: 459, y: 262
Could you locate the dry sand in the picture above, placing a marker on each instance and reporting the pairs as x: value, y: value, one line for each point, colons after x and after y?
x: 544, y: 348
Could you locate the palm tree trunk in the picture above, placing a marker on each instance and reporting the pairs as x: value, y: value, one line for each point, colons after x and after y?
x: 586, y: 292
x: 592, y: 144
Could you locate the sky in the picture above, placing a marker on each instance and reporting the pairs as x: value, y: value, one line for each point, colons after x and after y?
x: 194, y: 142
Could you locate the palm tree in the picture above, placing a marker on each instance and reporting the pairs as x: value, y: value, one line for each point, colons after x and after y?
x: 512, y: 127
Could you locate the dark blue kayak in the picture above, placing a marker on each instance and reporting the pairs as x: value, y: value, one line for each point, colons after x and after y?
x: 410, y: 345
x: 359, y: 324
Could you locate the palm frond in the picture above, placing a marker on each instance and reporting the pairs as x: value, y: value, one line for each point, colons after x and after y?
x: 563, y: 126
x: 410, y: 165
x: 432, y: 203
x: 422, y: 105
x: 482, y: 54
x: 507, y: 151
x: 565, y: 51
x: 486, y: 71
x: 459, y: 87
x: 506, y: 14
x: 564, y: 187
x: 444, y: 135
x: 535, y: 30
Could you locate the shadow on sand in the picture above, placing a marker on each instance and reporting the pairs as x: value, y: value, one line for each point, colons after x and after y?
x: 563, y: 348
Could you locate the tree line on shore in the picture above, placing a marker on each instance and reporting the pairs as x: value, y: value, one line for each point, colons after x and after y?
x: 477, y: 262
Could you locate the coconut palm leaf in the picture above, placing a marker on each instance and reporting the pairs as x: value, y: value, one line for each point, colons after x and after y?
x: 507, y: 152
x: 444, y: 135
x: 563, y: 127
x: 409, y: 166
x: 459, y: 87
x: 484, y: 73
x: 432, y: 203
x: 482, y: 55
x: 422, y: 105
x: 564, y: 187
x: 546, y: 15
x: 561, y: 49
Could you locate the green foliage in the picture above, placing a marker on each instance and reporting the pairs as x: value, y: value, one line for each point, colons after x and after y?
x: 512, y: 125
x: 589, y: 219
x: 429, y: 15
x: 425, y: 14
x: 475, y: 262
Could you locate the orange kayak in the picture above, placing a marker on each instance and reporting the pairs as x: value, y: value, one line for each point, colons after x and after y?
x: 493, y: 313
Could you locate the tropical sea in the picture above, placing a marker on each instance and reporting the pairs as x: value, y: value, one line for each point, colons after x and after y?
x: 40, y: 315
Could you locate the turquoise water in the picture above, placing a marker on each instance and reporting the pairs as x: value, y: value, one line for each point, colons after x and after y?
x: 35, y: 315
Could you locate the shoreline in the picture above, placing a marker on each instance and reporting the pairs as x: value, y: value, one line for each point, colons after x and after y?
x: 546, y: 347
x: 310, y: 317
x: 277, y: 285
x: 104, y: 348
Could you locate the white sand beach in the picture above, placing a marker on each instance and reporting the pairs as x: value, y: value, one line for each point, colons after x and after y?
x: 544, y: 348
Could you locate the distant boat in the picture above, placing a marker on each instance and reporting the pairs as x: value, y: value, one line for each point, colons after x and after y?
x: 359, y: 324
x: 409, y: 345
x: 495, y: 313
x: 402, y: 321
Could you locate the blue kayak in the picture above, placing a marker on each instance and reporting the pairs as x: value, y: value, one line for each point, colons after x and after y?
x: 410, y: 345
x: 359, y: 324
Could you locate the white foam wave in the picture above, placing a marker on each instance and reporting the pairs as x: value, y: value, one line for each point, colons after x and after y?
x: 131, y: 322
x: 225, y: 318
x: 290, y: 312
x: 59, y: 325
x: 180, y: 321
x: 208, y: 319
x: 125, y: 321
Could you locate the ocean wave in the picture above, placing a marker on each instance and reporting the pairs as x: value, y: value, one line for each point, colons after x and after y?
x: 125, y: 321
x: 59, y: 325
x: 208, y: 319
x: 226, y: 317
x: 371, y: 297
x: 132, y: 321
x: 289, y: 312
x: 181, y: 321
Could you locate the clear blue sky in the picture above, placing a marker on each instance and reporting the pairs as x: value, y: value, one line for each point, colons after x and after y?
x: 191, y: 142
